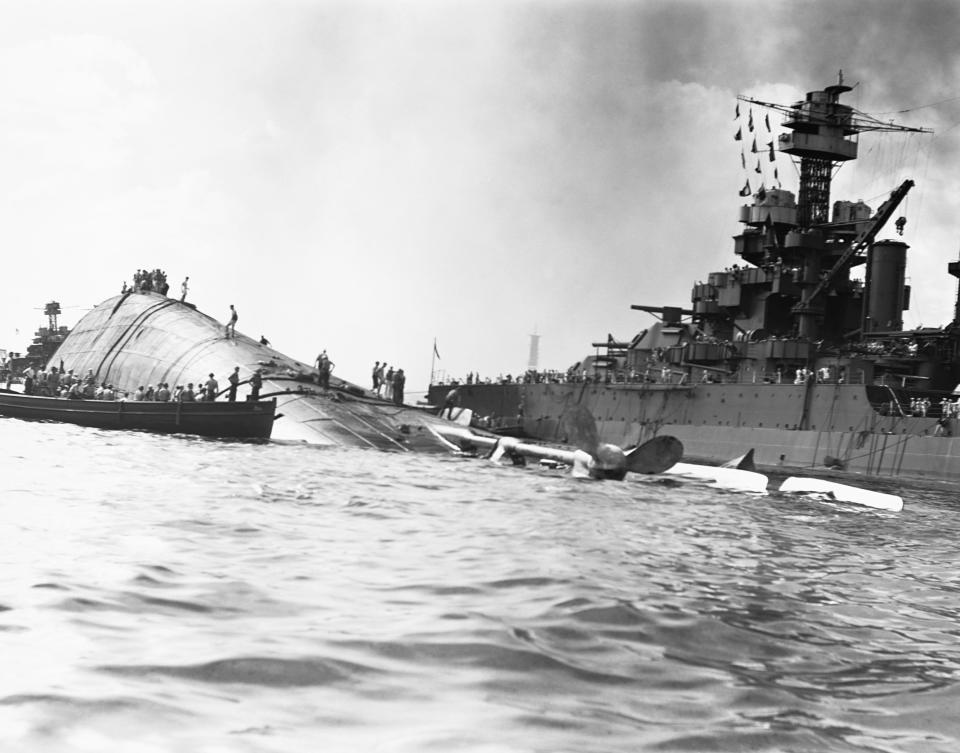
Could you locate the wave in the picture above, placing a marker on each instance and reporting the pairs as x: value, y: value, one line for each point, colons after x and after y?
x: 276, y: 673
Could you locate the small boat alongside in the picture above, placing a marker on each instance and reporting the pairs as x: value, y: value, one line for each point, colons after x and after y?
x: 240, y: 420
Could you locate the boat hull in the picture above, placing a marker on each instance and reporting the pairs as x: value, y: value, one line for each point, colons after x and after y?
x: 816, y: 425
x: 247, y: 420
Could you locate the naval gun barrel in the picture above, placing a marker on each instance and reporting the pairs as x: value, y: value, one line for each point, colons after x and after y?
x: 670, y: 315
x: 611, y: 344
x: 661, y: 309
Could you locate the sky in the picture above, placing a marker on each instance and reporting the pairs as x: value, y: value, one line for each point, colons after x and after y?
x: 369, y: 177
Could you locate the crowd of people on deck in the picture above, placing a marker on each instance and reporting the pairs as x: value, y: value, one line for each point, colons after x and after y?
x: 948, y: 408
x: 388, y: 382
x: 573, y: 375
x: 54, y: 382
x: 147, y: 281
x: 530, y: 377
x: 922, y: 406
x: 64, y: 383
x: 899, y: 347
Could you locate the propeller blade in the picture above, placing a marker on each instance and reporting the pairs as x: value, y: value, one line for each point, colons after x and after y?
x: 742, y: 463
x: 655, y: 455
x: 581, y: 429
x: 463, y: 417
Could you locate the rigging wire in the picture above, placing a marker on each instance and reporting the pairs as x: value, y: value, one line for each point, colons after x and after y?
x: 920, y: 107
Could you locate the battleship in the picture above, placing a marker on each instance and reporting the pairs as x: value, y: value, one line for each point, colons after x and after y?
x: 45, y: 342
x: 784, y: 352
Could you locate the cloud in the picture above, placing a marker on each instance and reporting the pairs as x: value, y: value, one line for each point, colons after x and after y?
x: 366, y: 176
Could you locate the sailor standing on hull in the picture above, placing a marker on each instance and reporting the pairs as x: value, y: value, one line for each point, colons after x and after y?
x: 324, y: 367
x: 388, y: 385
x: 234, y: 380
x: 212, y: 387
x: 451, y: 401
x: 256, y: 382
x: 231, y: 325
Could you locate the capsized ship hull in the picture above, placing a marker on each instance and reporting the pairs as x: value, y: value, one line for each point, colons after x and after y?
x: 856, y: 427
x: 141, y: 339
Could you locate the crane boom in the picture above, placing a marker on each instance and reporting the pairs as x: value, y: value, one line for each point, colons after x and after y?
x: 863, y: 240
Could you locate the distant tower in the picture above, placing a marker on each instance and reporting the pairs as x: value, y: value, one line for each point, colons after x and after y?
x: 52, y: 310
x: 534, y: 362
x: 820, y: 136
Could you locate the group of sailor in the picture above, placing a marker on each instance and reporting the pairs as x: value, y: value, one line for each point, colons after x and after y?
x: 388, y: 382
x: 52, y: 383
x: 145, y: 281
x: 57, y: 383
x: 899, y: 347
x: 950, y: 408
x: 804, y: 375
x: 530, y: 377
x: 60, y: 383
x: 921, y: 407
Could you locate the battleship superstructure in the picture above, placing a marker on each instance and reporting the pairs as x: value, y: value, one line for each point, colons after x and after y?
x: 46, y: 340
x: 784, y: 351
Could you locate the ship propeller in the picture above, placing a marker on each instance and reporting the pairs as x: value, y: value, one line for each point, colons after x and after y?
x: 602, y: 460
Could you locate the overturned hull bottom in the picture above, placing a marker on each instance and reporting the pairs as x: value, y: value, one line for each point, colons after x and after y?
x: 142, y: 340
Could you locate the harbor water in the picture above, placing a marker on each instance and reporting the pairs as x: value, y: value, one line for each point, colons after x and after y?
x: 173, y: 594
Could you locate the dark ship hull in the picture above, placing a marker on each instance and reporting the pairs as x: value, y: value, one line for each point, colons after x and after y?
x: 143, y: 339
x: 784, y: 352
x: 850, y: 426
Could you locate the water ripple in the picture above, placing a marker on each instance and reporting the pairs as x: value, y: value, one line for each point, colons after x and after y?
x: 168, y: 594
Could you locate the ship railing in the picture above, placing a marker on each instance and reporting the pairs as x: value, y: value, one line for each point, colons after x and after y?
x: 785, y: 377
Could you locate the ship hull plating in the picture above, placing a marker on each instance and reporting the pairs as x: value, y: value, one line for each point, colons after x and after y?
x: 812, y: 425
